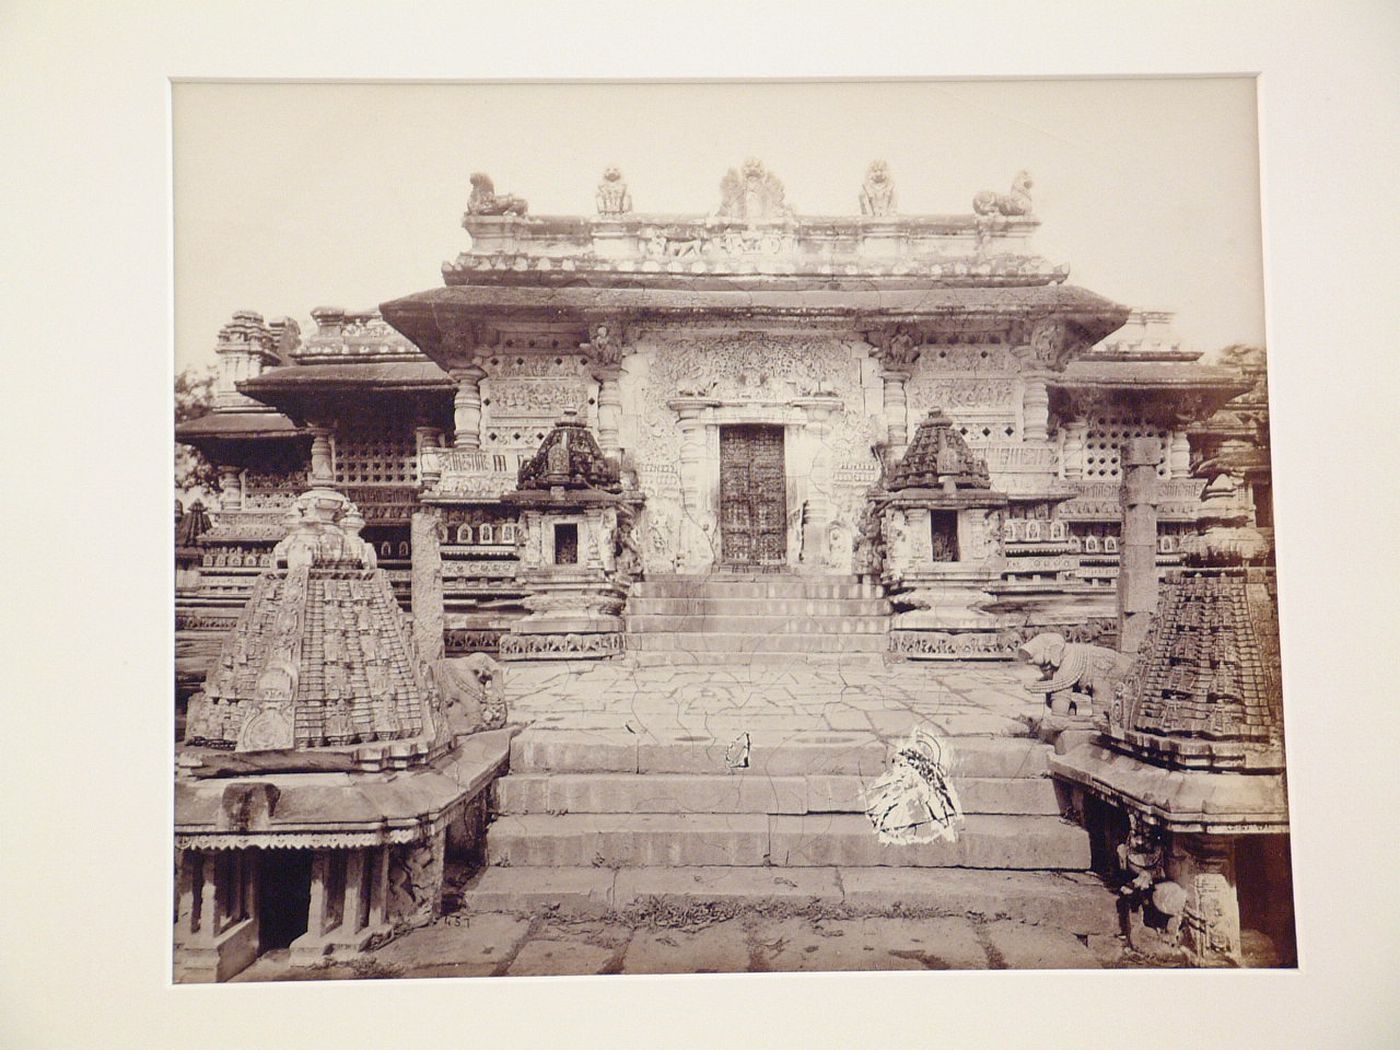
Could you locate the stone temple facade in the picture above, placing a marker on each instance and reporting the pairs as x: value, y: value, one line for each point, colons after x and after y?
x: 752, y: 374
x: 739, y: 438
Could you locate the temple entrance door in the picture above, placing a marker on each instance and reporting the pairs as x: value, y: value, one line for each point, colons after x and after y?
x: 284, y: 896
x: 753, y: 498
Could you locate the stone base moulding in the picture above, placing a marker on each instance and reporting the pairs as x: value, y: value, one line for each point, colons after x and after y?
x: 560, y: 646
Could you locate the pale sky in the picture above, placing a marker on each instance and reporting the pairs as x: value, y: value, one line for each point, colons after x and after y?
x: 291, y: 196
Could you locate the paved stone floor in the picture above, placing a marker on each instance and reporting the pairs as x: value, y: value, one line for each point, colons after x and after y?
x: 772, y: 702
x: 777, y: 700
x: 500, y: 945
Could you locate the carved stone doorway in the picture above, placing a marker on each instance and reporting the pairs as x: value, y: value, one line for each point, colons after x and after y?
x: 753, y: 498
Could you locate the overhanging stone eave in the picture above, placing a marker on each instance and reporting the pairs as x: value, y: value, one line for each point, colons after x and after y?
x: 300, y: 390
x: 424, y: 316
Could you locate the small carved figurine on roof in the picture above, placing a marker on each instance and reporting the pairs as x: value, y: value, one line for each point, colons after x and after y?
x: 570, y: 458
x: 613, y: 197
x: 1017, y: 202
x: 877, y: 194
x: 939, y: 457
x: 484, y: 199
x: 753, y: 194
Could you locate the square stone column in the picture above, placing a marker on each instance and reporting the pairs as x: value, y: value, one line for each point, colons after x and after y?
x: 1137, y: 558
x: 426, y: 584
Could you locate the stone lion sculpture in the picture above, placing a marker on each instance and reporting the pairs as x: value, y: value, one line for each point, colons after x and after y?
x: 473, y: 693
x: 484, y: 199
x: 1017, y: 202
x: 877, y: 193
x: 1073, y: 671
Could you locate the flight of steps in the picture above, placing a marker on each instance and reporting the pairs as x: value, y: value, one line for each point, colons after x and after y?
x: 729, y: 618
x: 593, y: 822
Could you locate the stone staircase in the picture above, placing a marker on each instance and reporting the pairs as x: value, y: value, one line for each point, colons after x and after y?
x: 732, y: 618
x: 595, y: 822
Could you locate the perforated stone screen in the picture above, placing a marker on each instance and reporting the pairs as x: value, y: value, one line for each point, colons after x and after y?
x: 1105, y: 438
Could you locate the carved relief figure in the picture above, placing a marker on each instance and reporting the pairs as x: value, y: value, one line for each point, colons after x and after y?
x: 1017, y: 202
x: 606, y: 346
x: 612, y: 196
x: 484, y: 199
x: 877, y: 194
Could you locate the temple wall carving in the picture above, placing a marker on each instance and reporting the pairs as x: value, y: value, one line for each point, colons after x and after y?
x: 822, y: 390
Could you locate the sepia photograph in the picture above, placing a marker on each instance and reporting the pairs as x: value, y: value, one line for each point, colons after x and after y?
x: 613, y: 539
x: 720, y: 523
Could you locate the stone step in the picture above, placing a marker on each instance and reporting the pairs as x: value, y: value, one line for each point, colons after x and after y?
x: 757, y: 624
x: 694, y: 793
x: 743, y: 644
x: 985, y: 841
x: 789, y: 587
x: 716, y: 607
x: 803, y: 754
x: 631, y: 840
x: 1077, y: 902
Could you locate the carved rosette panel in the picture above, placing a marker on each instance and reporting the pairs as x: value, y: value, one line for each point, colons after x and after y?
x: 977, y: 386
x: 524, y: 395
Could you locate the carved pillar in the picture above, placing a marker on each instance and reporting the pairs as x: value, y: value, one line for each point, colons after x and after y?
x: 379, y: 886
x: 1137, y: 558
x: 230, y: 488
x: 466, y: 407
x: 1035, y: 406
x: 1179, y: 456
x: 610, y: 413
x: 1072, y: 456
x: 695, y: 545
x: 319, y: 912
x: 209, y: 900
x: 816, y: 528
x: 1204, y: 866
x: 429, y: 467
x: 896, y: 412
x: 322, y: 465
x: 356, y: 871
x: 187, y: 913
x: 426, y: 583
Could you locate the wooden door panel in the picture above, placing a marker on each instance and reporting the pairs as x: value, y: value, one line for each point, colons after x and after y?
x: 753, y: 496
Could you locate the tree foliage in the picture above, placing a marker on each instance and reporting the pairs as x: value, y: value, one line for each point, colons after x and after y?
x: 194, y: 397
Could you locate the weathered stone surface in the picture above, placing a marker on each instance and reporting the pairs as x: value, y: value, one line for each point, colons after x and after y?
x: 1075, y: 902
x: 723, y: 948
x: 615, y: 840
x: 475, y: 944
x: 869, y: 944
x: 680, y: 886
x: 986, y: 841
x: 666, y: 793
x: 579, y: 891
x: 1020, y: 946
x: 541, y: 958
x: 577, y: 751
